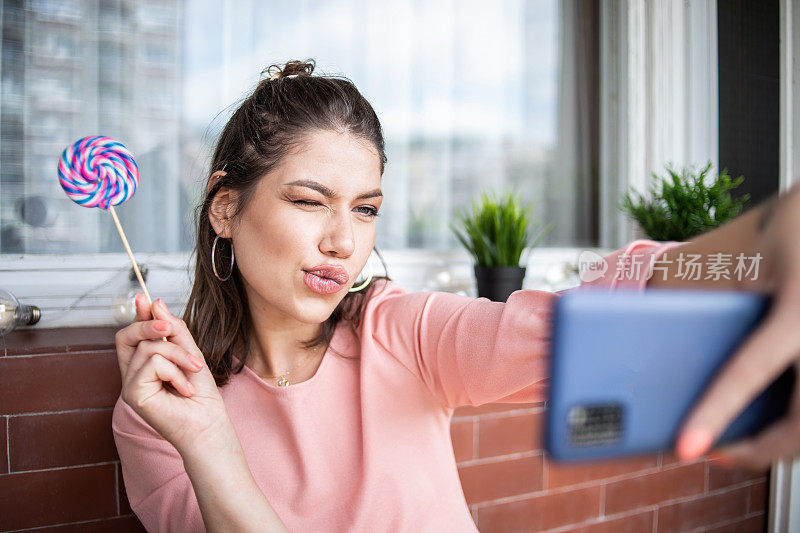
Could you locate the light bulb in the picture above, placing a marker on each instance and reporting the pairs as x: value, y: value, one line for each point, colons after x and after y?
x: 558, y: 273
x: 123, y: 304
x: 14, y: 314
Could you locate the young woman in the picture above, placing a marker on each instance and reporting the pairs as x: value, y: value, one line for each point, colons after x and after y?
x: 292, y: 395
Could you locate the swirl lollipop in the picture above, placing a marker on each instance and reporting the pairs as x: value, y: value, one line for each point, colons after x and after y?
x: 99, y: 171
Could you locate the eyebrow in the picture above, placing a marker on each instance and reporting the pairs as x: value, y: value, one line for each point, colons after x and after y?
x: 328, y: 192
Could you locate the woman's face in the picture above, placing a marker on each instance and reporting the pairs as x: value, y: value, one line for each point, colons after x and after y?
x: 287, y: 229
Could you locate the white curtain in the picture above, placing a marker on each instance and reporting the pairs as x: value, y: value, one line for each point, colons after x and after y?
x: 658, y: 98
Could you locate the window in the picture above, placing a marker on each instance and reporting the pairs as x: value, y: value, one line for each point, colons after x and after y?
x: 467, y: 93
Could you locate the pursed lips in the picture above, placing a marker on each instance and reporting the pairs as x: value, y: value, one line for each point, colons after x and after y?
x: 339, y: 275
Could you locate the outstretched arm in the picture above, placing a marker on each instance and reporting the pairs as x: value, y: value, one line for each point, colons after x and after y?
x: 472, y: 351
x: 740, y: 235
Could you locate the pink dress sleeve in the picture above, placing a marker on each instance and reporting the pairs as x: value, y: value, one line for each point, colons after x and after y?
x: 467, y: 351
x: 157, y: 485
x: 472, y: 351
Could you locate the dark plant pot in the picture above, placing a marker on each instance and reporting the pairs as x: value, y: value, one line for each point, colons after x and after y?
x: 498, y: 282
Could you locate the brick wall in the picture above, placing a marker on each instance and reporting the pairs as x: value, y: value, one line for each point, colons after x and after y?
x: 59, y: 470
x: 511, y: 486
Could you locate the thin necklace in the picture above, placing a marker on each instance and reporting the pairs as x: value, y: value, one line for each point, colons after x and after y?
x: 283, y: 380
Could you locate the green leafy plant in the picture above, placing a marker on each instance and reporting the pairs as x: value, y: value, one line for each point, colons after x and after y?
x: 683, y: 205
x: 496, y: 232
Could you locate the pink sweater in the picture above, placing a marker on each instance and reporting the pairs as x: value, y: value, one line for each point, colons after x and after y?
x: 364, y: 445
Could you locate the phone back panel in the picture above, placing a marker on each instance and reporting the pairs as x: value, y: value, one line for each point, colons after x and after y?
x: 627, y: 366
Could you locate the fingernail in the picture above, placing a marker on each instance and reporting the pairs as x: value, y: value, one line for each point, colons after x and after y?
x: 693, y: 443
x: 160, y: 325
x: 198, y: 364
x: 191, y: 387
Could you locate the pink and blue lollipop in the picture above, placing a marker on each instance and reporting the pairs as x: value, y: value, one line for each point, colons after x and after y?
x: 98, y: 171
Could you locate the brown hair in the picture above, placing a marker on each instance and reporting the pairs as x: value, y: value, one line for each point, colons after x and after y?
x: 284, y: 108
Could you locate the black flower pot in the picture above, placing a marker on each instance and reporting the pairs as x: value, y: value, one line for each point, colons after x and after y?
x: 498, y: 282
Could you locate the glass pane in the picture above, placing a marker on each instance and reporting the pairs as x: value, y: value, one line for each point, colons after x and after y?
x: 77, y: 68
x: 466, y: 92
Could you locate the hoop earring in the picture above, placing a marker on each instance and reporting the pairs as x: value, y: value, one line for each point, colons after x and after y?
x: 369, y: 278
x: 213, y: 264
x: 356, y: 289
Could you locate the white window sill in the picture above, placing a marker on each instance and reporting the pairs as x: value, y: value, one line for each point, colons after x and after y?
x: 77, y: 290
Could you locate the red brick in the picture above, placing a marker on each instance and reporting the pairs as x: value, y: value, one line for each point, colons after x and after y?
x: 509, y: 434
x: 59, y: 382
x: 541, y: 512
x: 668, y: 458
x: 470, y: 410
x: 651, y: 489
x: 3, y: 445
x: 753, y: 524
x: 635, y: 523
x: 54, y: 440
x: 703, y: 511
x: 564, y: 474
x: 52, y: 497
x: 759, y: 497
x: 60, y: 340
x: 510, y: 477
x: 720, y: 477
x: 461, y: 433
x: 123, y: 524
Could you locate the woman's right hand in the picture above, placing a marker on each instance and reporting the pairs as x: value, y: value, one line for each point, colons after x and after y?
x: 192, y: 409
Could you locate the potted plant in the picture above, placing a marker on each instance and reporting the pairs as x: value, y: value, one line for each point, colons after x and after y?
x: 495, y: 235
x: 685, y: 204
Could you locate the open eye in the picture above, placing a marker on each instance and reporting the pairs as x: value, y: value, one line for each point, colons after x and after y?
x: 370, y: 211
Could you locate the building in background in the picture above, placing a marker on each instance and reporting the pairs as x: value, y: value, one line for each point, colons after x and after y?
x: 77, y: 68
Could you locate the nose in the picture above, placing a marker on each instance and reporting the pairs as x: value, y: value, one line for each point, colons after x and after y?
x: 339, y: 236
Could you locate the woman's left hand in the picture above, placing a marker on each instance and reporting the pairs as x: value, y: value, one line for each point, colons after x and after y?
x: 773, y: 347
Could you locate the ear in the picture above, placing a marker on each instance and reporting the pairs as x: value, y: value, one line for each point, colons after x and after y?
x: 220, y: 211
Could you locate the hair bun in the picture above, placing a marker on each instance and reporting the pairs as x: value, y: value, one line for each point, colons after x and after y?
x: 291, y: 68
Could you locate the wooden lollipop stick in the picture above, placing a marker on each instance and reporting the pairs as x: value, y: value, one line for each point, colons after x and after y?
x: 130, y: 255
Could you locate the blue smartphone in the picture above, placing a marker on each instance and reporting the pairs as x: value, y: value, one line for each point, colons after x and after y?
x: 627, y: 367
